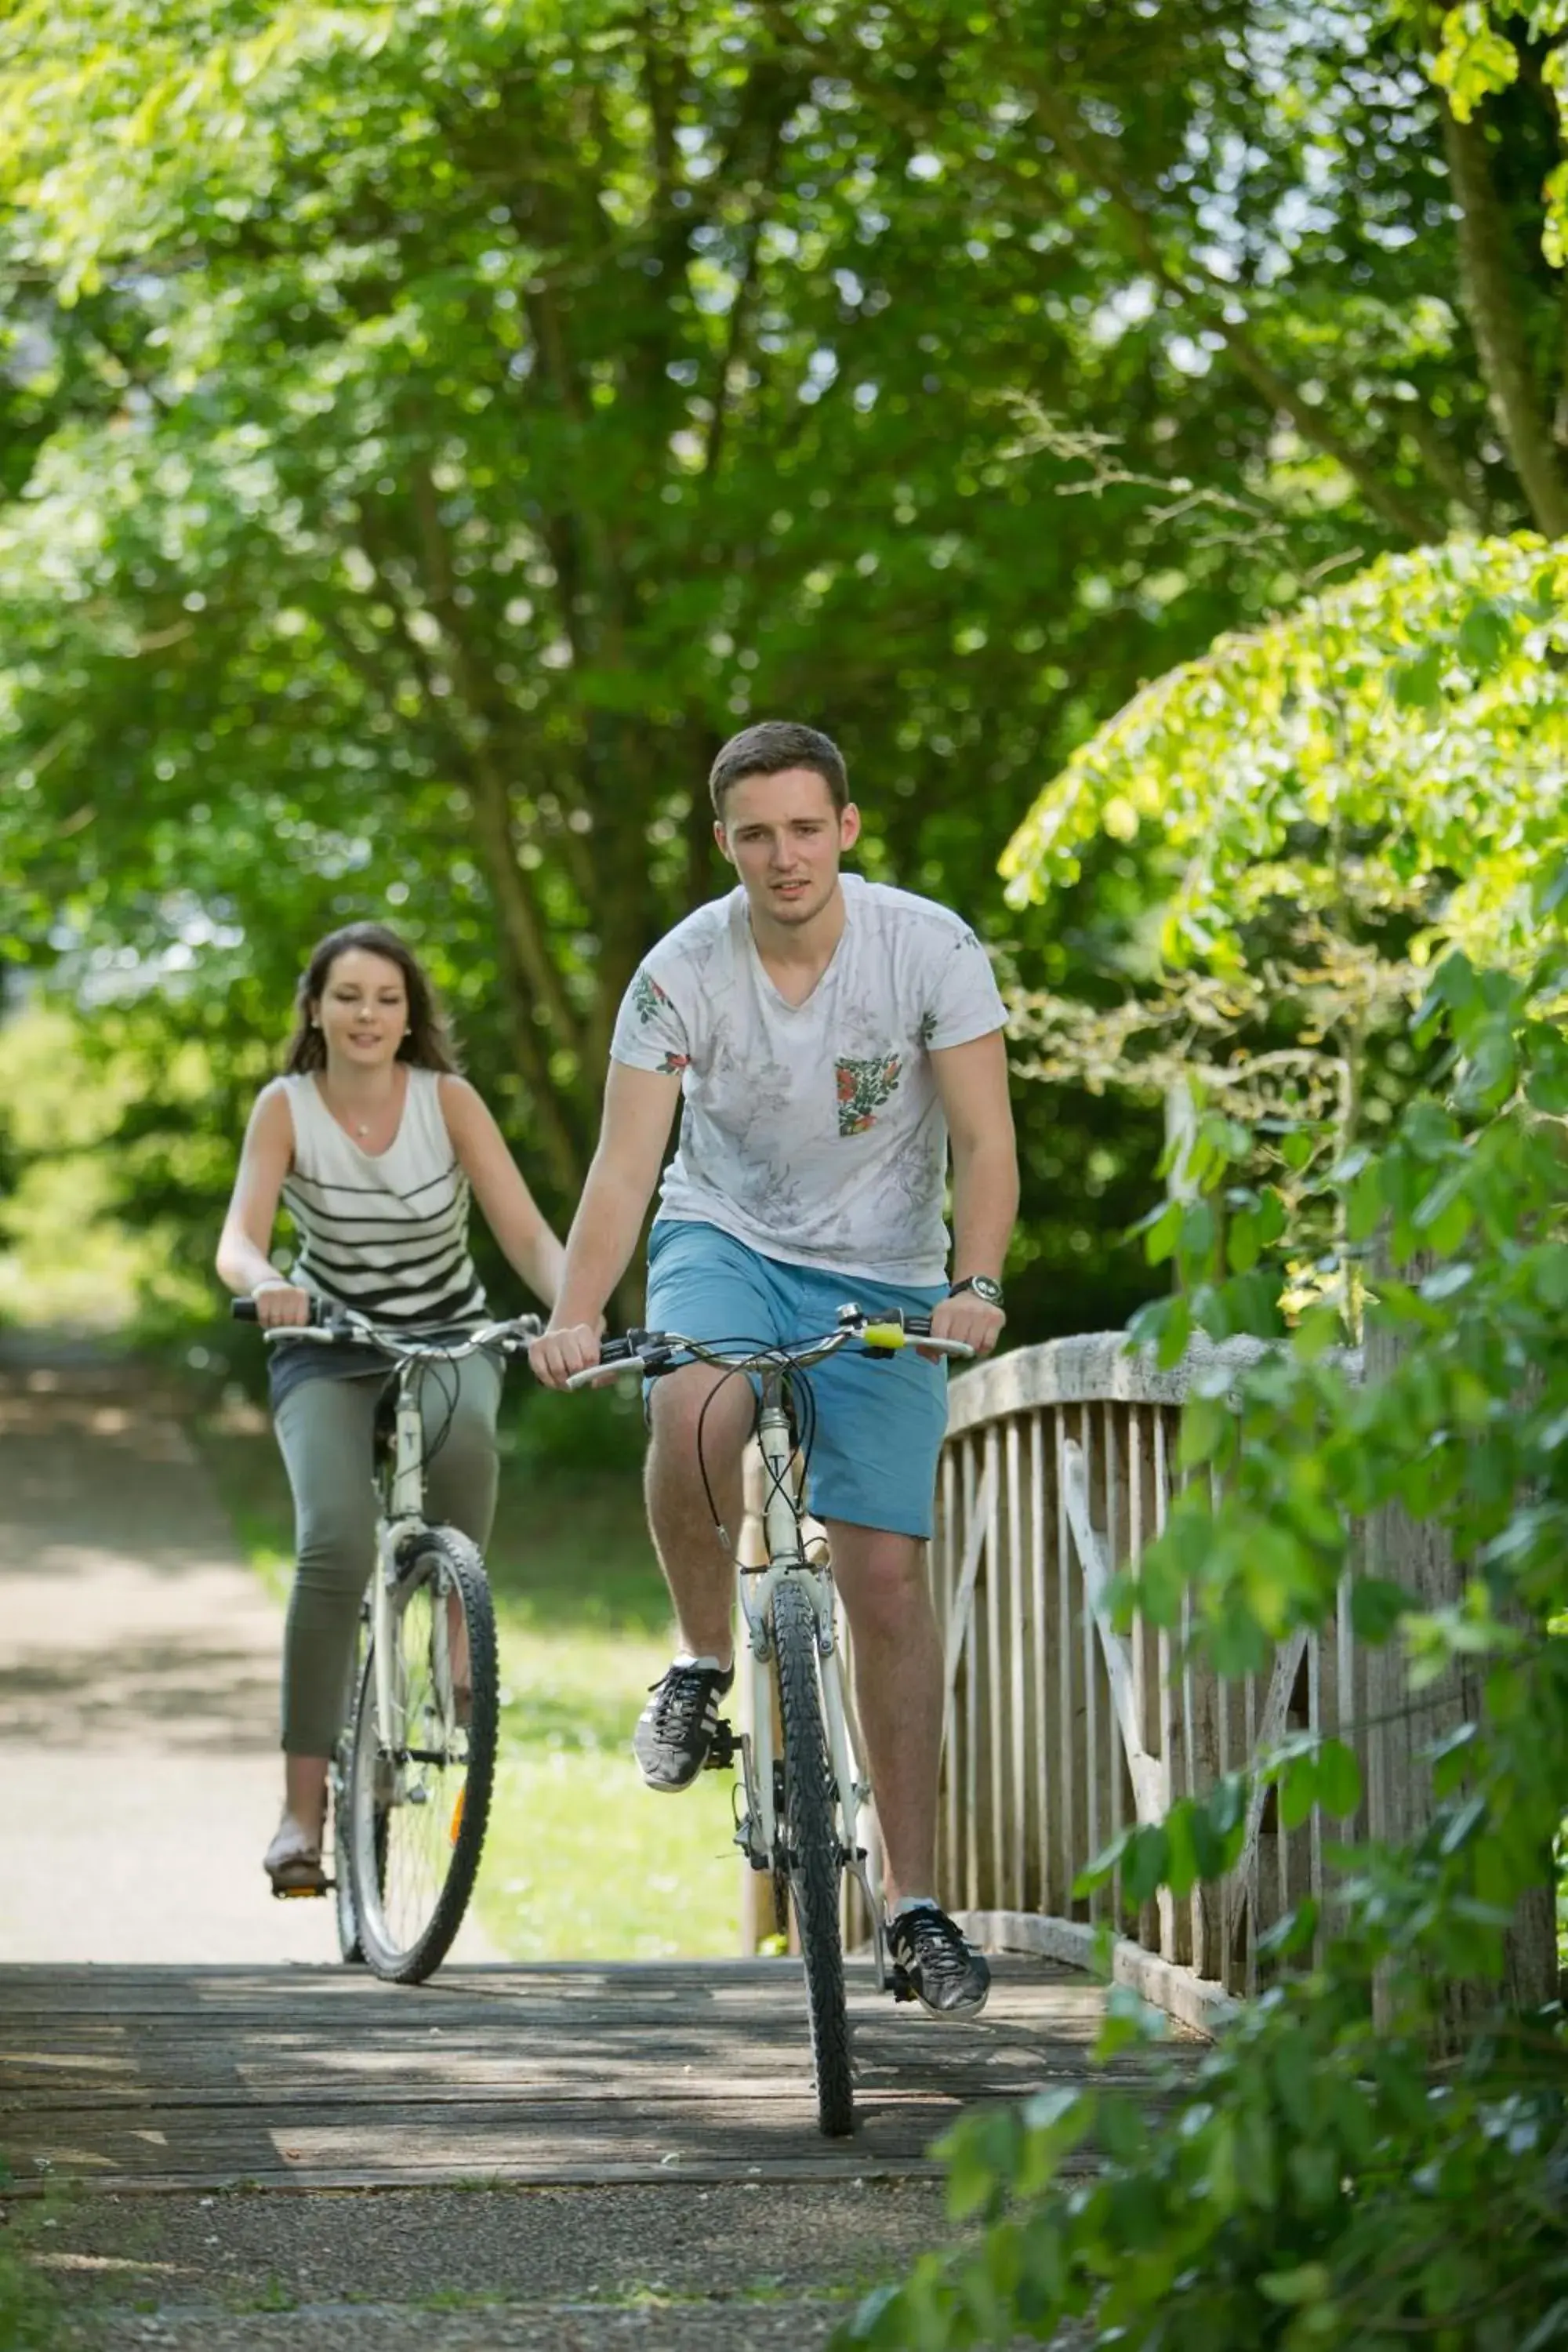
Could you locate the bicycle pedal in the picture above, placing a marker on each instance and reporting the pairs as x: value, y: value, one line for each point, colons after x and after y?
x: 722, y: 1749
x: 898, y: 1983
x: 304, y: 1894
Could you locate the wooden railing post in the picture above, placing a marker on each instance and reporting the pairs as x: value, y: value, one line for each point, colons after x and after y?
x: 1057, y: 1470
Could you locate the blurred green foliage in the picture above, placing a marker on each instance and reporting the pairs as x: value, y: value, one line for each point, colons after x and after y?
x: 1375, y: 2150
x: 427, y: 430
x: 1321, y: 808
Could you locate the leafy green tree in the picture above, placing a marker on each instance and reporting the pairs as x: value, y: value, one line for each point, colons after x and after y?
x: 428, y: 431
x: 512, y: 417
x: 1375, y: 2150
x: 1320, y: 809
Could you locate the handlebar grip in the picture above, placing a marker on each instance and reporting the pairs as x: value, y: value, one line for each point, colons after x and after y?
x: 323, y: 1314
x: 596, y: 1371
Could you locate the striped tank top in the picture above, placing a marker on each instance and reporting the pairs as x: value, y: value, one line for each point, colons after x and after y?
x: 385, y: 1233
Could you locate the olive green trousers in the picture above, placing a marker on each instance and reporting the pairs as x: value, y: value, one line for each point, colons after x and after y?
x: 325, y: 1430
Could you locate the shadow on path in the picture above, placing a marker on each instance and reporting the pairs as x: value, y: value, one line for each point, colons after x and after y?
x: 139, y: 1664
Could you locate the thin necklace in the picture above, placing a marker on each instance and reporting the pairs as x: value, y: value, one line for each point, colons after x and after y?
x: 362, y: 1127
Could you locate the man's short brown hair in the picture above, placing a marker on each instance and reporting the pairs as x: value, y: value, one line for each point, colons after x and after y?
x: 770, y: 747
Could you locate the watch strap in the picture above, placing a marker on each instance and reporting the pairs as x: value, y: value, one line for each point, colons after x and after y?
x: 985, y: 1287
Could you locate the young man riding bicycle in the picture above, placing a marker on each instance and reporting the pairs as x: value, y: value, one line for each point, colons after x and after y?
x: 828, y: 1036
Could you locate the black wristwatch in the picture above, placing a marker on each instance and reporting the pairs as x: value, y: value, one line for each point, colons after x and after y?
x: 986, y: 1290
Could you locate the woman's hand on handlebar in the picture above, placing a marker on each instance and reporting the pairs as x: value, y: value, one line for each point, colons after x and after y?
x: 558, y: 1354
x: 280, y: 1303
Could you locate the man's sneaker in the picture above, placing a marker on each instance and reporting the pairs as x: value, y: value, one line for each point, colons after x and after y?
x: 937, y: 1966
x: 675, y: 1729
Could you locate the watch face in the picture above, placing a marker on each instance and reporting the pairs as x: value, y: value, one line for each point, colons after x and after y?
x: 985, y: 1289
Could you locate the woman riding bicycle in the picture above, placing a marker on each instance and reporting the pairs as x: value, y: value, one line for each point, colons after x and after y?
x: 374, y: 1143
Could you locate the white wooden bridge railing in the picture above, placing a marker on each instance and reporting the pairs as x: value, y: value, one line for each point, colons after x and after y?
x: 1058, y: 1466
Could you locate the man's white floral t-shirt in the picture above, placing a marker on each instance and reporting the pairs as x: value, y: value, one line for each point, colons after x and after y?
x: 814, y: 1132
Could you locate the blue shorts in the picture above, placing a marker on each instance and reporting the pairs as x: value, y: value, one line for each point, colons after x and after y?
x: 880, y: 1422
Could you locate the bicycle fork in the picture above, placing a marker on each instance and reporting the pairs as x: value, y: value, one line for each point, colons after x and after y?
x: 406, y: 1514
x: 757, y: 1833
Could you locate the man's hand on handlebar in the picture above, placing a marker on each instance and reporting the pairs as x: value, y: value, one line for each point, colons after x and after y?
x: 555, y: 1358
x: 968, y: 1319
x: 280, y: 1303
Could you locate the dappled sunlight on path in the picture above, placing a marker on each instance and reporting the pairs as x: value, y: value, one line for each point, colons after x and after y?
x: 325, y: 2078
x: 138, y: 1686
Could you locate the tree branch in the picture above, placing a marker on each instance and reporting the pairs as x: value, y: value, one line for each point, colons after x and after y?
x: 491, y: 827
x: 661, y: 78
x: 489, y: 793
x: 1209, y: 300
x: 1486, y: 282
x: 1213, y: 301
x: 741, y: 313
x: 524, y: 965
x: 1442, y: 460
x: 701, y: 740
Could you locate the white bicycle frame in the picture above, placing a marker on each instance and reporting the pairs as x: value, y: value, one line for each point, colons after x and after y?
x: 394, y: 1530
x: 757, y: 1834
x: 403, y: 1519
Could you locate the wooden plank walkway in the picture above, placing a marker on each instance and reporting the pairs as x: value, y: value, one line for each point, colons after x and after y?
x: 166, y: 2078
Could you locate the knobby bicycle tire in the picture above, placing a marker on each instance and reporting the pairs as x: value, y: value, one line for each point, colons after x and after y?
x: 816, y: 1856
x: 373, y: 1822
x: 351, y: 1951
x: 349, y: 1947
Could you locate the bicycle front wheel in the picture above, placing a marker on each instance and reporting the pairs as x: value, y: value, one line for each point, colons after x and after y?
x: 814, y: 1852
x: 339, y: 1780
x: 419, y: 1784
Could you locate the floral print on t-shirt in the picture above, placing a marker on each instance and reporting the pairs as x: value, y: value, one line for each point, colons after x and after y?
x: 648, y: 996
x: 863, y: 1088
x: 648, y: 999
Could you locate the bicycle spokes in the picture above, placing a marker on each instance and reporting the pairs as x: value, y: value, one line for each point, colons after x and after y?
x: 422, y: 1731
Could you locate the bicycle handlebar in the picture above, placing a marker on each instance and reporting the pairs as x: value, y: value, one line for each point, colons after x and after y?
x: 333, y: 1325
x: 654, y: 1351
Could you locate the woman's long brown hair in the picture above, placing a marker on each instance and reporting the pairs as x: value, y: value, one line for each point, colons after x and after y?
x: 428, y: 1045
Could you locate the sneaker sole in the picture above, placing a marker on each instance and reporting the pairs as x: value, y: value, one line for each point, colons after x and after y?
x: 956, y: 2016
x: 668, y: 1787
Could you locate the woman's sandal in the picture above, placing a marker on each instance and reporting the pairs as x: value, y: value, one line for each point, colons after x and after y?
x: 293, y: 1861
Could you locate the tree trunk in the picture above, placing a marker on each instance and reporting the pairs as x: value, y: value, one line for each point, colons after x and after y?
x: 1418, y: 1555
x: 1486, y: 281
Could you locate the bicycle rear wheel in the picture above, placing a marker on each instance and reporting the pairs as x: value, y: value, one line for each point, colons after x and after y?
x: 419, y: 1796
x: 815, y: 1853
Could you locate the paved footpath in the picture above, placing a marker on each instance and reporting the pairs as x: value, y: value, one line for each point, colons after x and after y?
x: 138, y: 1689
x: 268, y: 2153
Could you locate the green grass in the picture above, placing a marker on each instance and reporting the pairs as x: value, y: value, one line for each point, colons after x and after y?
x: 31, y: 2317
x: 581, y: 1861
